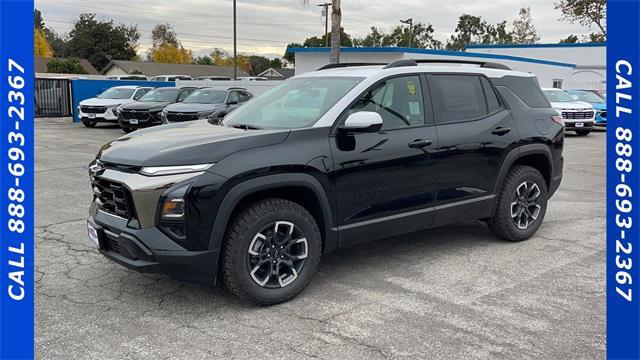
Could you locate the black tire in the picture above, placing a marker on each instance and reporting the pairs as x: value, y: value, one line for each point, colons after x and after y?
x: 237, y: 275
x: 89, y: 123
x: 583, y: 132
x: 503, y: 223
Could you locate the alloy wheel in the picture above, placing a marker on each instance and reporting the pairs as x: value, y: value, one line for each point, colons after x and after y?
x: 524, y: 207
x: 277, y: 254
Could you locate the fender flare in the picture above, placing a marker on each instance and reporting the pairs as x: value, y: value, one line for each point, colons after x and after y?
x: 246, y: 188
x: 517, y: 153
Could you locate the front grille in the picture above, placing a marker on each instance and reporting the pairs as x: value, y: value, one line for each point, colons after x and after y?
x: 112, y: 198
x: 93, y: 109
x: 179, y: 116
x: 130, y: 114
x: 577, y: 114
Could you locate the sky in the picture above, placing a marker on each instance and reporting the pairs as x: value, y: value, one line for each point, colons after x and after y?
x: 265, y: 27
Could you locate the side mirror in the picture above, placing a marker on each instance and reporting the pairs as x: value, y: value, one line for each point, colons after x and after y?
x: 362, y: 121
x: 232, y: 102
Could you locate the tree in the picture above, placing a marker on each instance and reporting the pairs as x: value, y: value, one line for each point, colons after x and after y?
x: 473, y: 30
x: 163, y: 34
x: 319, y: 41
x: 172, y: 54
x: 258, y: 64
x: 422, y: 37
x: 585, y: 12
x: 41, y: 47
x: 289, y: 56
x: 100, y: 41
x: 38, y: 21
x: 597, y: 37
x: 276, y: 63
x: 524, y: 32
x: 375, y: 38
x: 203, y: 60
x: 65, y: 66
x: 569, y: 39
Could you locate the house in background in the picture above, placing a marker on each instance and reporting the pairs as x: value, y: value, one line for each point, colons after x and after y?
x: 277, y: 74
x: 40, y: 65
x: 150, y: 69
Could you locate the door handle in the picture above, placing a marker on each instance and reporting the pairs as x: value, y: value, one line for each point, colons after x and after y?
x: 419, y: 143
x: 500, y: 131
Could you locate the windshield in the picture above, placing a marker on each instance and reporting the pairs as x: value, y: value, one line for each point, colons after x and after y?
x: 116, y: 93
x: 587, y: 97
x: 296, y: 103
x: 160, y: 95
x: 558, y: 96
x: 206, y: 97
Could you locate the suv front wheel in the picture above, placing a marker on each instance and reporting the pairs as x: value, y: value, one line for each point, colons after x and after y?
x: 271, y: 251
x: 521, y: 206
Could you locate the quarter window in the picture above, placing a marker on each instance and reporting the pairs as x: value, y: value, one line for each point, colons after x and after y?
x: 244, y: 96
x: 461, y: 97
x: 492, y: 100
x: 399, y: 102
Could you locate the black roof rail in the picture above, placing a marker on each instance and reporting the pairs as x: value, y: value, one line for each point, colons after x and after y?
x: 484, y: 64
x: 236, y: 88
x: 341, y: 65
x: 401, y: 63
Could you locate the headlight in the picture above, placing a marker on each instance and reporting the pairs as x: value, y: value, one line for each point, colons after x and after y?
x: 173, y: 208
x: 205, y: 114
x: 118, y: 109
x: 173, y: 170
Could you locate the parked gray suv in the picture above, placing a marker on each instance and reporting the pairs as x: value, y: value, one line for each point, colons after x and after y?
x: 206, y: 103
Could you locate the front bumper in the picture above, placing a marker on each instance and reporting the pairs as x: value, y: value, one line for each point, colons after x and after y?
x: 579, y: 124
x: 138, y: 250
x: 123, y: 214
x: 145, y: 120
x: 106, y: 116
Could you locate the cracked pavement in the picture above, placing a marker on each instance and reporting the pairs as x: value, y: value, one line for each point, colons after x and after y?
x: 453, y: 292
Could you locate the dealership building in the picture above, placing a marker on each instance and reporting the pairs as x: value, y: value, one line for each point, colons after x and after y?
x: 556, y: 65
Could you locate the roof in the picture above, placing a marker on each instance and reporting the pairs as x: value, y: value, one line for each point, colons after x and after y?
x: 155, y: 69
x: 560, y: 45
x: 40, y: 65
x: 284, y: 73
x: 433, y: 52
x: 131, y: 86
x: 371, y: 70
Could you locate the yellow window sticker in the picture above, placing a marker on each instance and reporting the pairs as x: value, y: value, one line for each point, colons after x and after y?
x: 411, y: 87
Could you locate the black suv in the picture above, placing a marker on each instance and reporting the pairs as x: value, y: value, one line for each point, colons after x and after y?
x: 327, y: 159
x: 146, y: 111
x: 206, y: 103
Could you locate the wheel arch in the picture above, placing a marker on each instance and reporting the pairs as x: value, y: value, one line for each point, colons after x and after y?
x: 537, y: 156
x: 301, y: 188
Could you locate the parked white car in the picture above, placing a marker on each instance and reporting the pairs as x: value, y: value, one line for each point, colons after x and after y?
x: 578, y: 116
x: 171, y: 77
x: 102, y: 108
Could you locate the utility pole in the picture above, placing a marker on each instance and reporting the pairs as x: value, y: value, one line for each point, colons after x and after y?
x: 336, y: 17
x: 235, y: 54
x: 325, y: 9
x: 410, y: 22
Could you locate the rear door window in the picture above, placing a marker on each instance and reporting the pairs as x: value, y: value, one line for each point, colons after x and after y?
x: 460, y: 97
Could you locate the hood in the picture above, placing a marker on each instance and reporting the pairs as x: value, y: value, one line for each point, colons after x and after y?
x: 574, y: 105
x: 599, y: 106
x: 188, y: 143
x: 145, y: 105
x: 181, y: 107
x: 103, y: 102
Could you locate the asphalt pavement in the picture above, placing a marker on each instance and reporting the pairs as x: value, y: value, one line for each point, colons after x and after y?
x: 450, y: 293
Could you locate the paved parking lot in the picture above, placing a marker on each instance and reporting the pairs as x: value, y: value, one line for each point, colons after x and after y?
x: 454, y: 292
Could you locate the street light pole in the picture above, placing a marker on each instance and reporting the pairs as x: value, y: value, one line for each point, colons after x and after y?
x: 410, y: 22
x: 235, y: 54
x: 325, y: 6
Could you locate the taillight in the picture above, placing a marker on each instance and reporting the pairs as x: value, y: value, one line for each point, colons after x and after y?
x: 558, y: 120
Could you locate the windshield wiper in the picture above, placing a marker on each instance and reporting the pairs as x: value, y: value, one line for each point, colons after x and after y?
x: 245, y: 126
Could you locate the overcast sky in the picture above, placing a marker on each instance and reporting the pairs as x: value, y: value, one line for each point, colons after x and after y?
x: 267, y: 26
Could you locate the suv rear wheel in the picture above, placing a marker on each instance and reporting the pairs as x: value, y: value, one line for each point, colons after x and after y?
x: 521, y: 206
x: 271, y: 251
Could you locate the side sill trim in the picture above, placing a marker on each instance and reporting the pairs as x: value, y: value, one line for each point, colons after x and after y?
x: 413, y: 212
